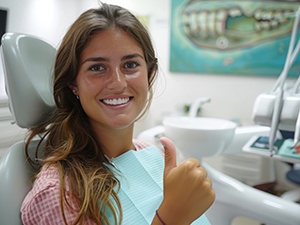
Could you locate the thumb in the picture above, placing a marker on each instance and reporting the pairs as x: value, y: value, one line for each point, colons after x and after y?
x: 170, y: 154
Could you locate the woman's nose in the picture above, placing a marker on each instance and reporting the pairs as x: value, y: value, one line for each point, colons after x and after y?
x: 117, y: 80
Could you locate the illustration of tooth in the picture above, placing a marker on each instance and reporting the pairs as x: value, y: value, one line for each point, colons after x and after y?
x: 267, y: 15
x: 211, y: 23
x: 234, y: 12
x: 202, y: 18
x: 258, y: 14
x: 193, y: 22
x: 274, y: 24
x: 220, y: 21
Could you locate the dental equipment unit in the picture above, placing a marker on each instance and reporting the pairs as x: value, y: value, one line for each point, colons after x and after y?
x: 280, y: 108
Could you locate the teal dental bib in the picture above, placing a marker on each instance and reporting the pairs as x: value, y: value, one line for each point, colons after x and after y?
x: 141, y: 185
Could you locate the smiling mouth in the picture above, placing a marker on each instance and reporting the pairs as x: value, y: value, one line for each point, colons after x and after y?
x: 116, y: 101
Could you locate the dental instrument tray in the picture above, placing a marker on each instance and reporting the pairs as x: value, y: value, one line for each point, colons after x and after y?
x: 284, y: 150
x: 288, y: 151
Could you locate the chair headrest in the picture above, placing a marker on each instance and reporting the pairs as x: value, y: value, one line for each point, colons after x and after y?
x: 28, y: 65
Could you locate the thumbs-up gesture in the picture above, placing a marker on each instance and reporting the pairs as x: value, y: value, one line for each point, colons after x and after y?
x: 188, y: 191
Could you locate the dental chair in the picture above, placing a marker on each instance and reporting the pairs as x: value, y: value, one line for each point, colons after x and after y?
x: 27, y: 65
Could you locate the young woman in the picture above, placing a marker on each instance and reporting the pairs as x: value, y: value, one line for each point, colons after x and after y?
x: 93, y: 172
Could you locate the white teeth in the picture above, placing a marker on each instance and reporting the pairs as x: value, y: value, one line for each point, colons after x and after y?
x: 116, y: 101
x: 211, y: 23
x: 220, y: 18
x: 234, y: 12
x: 205, y: 23
x: 268, y: 15
x: 193, y: 22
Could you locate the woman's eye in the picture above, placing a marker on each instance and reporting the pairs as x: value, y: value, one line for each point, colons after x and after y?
x: 96, y: 68
x: 130, y: 65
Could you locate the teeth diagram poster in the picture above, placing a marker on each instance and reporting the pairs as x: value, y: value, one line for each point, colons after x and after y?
x: 245, y: 38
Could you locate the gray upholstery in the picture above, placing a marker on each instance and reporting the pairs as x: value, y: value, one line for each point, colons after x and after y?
x: 28, y: 63
x: 16, y: 178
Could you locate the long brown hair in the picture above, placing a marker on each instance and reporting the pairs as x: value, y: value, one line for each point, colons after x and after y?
x: 70, y: 143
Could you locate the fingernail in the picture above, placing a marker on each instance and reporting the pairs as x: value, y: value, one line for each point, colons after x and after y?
x: 162, y: 141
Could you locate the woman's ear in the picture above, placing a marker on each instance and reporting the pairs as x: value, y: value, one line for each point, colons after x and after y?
x: 74, y: 89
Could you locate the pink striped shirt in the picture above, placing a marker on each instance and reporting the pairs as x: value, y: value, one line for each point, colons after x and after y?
x: 42, y: 205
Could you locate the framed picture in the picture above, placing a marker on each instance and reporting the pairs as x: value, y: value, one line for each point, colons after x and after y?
x: 3, y: 21
x: 234, y: 37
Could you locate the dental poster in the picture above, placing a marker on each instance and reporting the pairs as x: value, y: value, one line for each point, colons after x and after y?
x: 232, y: 37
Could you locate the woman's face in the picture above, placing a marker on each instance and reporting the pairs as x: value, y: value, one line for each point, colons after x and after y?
x: 112, y: 80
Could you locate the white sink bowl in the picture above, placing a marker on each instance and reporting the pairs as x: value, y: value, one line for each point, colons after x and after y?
x: 199, y: 137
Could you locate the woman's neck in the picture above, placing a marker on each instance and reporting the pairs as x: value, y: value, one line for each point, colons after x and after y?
x: 116, y: 142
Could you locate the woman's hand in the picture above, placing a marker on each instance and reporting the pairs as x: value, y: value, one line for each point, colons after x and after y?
x: 188, y: 191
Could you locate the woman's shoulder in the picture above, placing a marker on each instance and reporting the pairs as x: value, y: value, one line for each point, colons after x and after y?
x: 42, y: 204
x: 48, y: 175
x: 45, y: 190
x: 47, y: 178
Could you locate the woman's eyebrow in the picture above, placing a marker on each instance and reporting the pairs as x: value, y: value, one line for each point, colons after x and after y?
x: 94, y: 59
x: 131, y: 56
x: 103, y: 59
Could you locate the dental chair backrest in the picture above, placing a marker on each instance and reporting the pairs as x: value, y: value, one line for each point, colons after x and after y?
x: 27, y: 64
